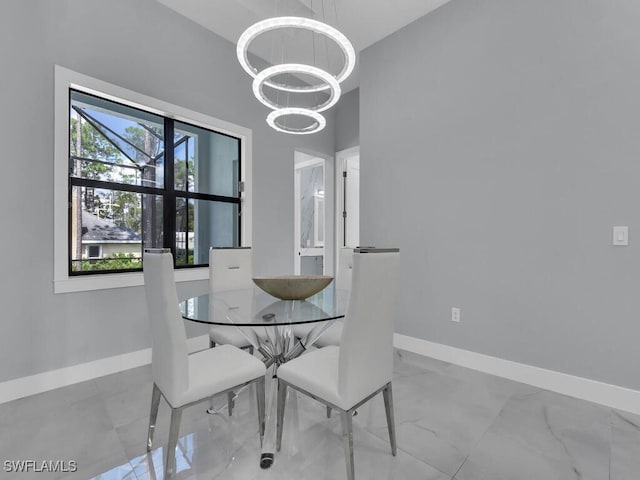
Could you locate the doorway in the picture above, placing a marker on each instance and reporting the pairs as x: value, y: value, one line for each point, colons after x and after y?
x: 310, y: 215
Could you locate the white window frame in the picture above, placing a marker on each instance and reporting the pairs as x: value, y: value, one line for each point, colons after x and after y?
x: 66, y: 79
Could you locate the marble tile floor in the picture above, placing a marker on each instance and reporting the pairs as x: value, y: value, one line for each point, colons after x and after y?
x: 452, y: 423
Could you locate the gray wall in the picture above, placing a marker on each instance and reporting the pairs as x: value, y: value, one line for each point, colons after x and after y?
x: 499, y: 145
x: 143, y: 46
x: 347, y: 120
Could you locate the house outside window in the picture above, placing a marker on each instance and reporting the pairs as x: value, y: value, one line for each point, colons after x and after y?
x: 142, y: 173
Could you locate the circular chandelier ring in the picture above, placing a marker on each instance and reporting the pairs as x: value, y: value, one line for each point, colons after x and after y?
x: 242, y: 49
x: 265, y: 75
x: 319, y: 124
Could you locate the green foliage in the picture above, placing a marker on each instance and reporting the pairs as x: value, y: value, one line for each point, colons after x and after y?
x: 117, y: 261
x: 180, y: 257
x: 127, y: 211
x: 124, y: 208
x: 93, y: 146
x: 126, y: 261
x: 183, y: 174
x: 145, y: 141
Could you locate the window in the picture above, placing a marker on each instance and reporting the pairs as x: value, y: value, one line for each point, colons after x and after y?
x: 130, y: 192
x: 142, y: 173
x: 94, y: 251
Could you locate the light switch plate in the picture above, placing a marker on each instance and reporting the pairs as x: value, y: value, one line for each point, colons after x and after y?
x: 621, y: 236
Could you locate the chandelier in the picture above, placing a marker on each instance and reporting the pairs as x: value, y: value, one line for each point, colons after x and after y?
x: 296, y: 89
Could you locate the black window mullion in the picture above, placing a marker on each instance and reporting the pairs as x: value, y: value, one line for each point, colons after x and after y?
x: 240, y: 190
x: 187, y: 206
x: 186, y: 166
x: 207, y: 196
x: 124, y: 187
x: 169, y: 204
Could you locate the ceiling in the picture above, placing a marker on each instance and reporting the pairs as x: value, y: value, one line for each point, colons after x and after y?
x: 364, y: 22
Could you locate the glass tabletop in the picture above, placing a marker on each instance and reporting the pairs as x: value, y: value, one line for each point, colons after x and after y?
x: 252, y: 307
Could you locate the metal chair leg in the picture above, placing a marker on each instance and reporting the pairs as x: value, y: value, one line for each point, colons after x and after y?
x: 170, y: 463
x: 248, y: 348
x: 260, y: 397
x: 211, y: 410
x: 155, y: 403
x: 282, y: 396
x: 328, y: 412
x: 391, y: 425
x: 347, y: 439
x: 230, y: 401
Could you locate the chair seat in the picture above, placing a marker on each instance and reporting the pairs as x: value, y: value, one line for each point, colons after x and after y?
x: 230, y: 335
x: 215, y: 370
x: 331, y: 335
x: 316, y: 372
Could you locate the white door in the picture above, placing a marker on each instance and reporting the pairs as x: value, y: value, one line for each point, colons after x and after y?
x: 348, y: 188
x: 309, y: 215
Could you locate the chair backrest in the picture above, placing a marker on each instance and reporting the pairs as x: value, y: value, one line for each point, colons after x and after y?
x: 345, y: 268
x: 230, y: 268
x: 366, y: 346
x: 169, y: 363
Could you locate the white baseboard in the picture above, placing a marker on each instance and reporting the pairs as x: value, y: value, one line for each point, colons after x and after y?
x: 62, y: 377
x: 583, y: 388
x: 598, y: 392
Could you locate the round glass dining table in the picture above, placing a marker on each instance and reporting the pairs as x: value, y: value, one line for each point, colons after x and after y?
x: 270, y: 319
x: 267, y: 324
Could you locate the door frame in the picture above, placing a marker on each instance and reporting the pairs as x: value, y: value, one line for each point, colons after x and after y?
x: 341, y: 162
x: 317, y: 160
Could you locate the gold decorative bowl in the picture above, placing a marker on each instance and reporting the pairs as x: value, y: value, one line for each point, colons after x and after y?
x: 293, y: 287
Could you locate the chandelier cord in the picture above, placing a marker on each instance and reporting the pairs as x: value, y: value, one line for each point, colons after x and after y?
x: 326, y: 45
x: 315, y: 63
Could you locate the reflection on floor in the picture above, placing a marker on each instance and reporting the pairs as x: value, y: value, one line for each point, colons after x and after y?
x: 451, y: 423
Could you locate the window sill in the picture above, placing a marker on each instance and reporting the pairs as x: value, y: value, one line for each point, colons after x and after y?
x: 120, y: 280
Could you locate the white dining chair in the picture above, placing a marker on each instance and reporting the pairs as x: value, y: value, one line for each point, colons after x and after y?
x: 229, y: 269
x: 345, y: 268
x: 342, y: 282
x: 345, y: 377
x: 182, y: 379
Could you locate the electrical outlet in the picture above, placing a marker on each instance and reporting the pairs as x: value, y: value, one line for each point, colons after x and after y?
x: 456, y: 314
x: 621, y: 236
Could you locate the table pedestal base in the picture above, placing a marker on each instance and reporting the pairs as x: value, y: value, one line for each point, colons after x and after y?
x: 266, y: 459
x: 278, y: 347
